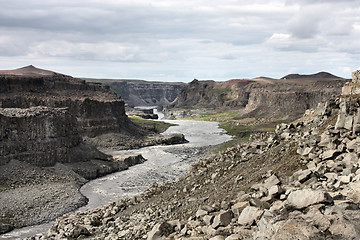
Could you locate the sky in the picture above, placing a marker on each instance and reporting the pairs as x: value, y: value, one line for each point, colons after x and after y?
x: 179, y: 40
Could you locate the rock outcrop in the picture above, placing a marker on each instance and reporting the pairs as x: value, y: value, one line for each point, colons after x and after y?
x: 286, y: 98
x: 144, y: 93
x: 97, y: 110
x: 42, y: 136
x: 44, y: 117
x: 300, y: 182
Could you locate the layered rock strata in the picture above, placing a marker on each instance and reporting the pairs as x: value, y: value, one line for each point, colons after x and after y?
x: 144, y: 93
x: 42, y: 136
x: 97, y: 110
x: 353, y: 87
x: 44, y: 117
x: 286, y: 98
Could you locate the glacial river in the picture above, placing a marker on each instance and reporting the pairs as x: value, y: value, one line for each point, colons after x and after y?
x: 164, y: 163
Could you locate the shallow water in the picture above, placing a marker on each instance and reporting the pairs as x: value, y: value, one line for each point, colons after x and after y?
x: 164, y: 163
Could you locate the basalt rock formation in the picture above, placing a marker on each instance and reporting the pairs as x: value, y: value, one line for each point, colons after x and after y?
x: 42, y: 136
x: 143, y: 93
x: 285, y: 98
x: 96, y: 109
x: 44, y: 117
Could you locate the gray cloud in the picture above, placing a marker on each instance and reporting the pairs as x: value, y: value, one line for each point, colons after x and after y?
x: 175, y: 40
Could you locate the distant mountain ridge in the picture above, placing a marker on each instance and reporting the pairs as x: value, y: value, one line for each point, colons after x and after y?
x: 29, y: 71
x: 319, y: 75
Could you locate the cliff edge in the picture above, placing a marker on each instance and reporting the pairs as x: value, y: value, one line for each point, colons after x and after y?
x: 285, y: 98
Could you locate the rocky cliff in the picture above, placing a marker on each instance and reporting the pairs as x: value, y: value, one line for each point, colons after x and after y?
x: 96, y: 109
x: 144, y: 93
x: 285, y: 98
x: 44, y: 117
x: 42, y: 136
x: 300, y: 182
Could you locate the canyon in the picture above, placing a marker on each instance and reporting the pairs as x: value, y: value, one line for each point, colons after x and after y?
x: 285, y: 98
x: 299, y: 182
x: 52, y: 126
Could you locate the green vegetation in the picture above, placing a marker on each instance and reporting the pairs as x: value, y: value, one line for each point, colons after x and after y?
x: 117, y: 89
x: 220, y: 90
x: 241, y: 130
x: 235, y: 130
x: 217, y: 117
x: 157, y: 126
x: 241, y: 133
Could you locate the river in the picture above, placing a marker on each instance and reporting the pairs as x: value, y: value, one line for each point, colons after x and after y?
x: 164, y: 163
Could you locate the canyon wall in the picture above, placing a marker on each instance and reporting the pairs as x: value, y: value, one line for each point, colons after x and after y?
x: 144, y: 93
x: 42, y: 136
x: 45, y: 115
x: 285, y: 98
x: 96, y: 108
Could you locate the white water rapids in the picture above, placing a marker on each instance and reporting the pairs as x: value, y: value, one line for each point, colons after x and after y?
x: 164, y: 163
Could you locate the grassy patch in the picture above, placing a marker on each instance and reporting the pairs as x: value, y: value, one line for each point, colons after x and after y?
x: 221, y: 147
x: 117, y: 89
x: 157, y: 126
x: 330, y: 121
x: 220, y: 90
x: 233, y: 129
x: 230, y: 122
x: 217, y: 117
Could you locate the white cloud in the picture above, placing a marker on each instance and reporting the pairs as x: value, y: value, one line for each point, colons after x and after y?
x: 286, y: 42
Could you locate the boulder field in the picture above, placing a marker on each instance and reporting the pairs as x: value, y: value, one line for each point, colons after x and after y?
x: 300, y: 182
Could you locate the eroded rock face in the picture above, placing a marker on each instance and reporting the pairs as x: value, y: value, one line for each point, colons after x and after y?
x: 97, y: 110
x: 38, y: 135
x: 143, y: 93
x: 286, y: 98
x: 42, y: 136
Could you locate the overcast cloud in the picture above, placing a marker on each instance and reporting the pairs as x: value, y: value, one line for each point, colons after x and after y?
x: 172, y: 40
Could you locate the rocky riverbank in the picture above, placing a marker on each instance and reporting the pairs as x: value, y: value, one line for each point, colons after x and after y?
x: 301, y: 182
x: 120, y: 141
x: 34, y: 194
x: 50, y: 124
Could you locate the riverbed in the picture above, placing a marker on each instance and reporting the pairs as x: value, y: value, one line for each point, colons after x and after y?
x: 164, y: 163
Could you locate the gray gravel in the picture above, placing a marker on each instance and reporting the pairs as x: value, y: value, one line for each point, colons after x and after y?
x: 31, y: 195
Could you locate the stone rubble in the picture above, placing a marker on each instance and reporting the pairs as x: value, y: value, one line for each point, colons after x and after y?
x: 320, y: 201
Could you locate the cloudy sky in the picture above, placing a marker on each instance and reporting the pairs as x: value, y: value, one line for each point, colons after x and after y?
x: 178, y: 40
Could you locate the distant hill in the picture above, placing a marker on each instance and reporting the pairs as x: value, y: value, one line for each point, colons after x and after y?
x: 29, y: 71
x: 319, y: 75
